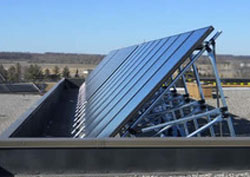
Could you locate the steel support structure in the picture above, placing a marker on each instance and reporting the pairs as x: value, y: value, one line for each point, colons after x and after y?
x: 173, y: 114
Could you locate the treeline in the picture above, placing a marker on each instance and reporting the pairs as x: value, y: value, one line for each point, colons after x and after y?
x: 62, y: 58
x: 33, y: 72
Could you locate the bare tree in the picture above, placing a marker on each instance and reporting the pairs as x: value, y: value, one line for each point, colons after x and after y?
x: 77, y: 73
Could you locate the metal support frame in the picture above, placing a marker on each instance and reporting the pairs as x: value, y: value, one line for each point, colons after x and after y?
x: 172, y: 114
x: 212, y: 56
x: 185, y: 119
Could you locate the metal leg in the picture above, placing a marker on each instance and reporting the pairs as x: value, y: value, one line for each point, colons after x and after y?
x: 217, y: 78
x: 197, y: 77
x: 230, y: 125
x: 218, y: 83
x: 184, y: 81
x: 196, y: 74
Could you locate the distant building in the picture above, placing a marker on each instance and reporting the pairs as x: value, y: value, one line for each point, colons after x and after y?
x: 87, y: 72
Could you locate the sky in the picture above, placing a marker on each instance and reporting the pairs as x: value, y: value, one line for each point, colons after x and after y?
x: 99, y: 26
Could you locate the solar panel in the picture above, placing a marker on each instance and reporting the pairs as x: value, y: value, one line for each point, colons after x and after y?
x: 19, y: 88
x: 105, y: 69
x: 127, y: 78
x: 104, y: 61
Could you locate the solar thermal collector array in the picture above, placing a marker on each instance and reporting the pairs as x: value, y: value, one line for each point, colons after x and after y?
x: 126, y: 78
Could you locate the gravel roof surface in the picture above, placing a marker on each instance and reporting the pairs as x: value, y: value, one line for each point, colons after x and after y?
x: 238, y: 101
x: 14, y: 105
